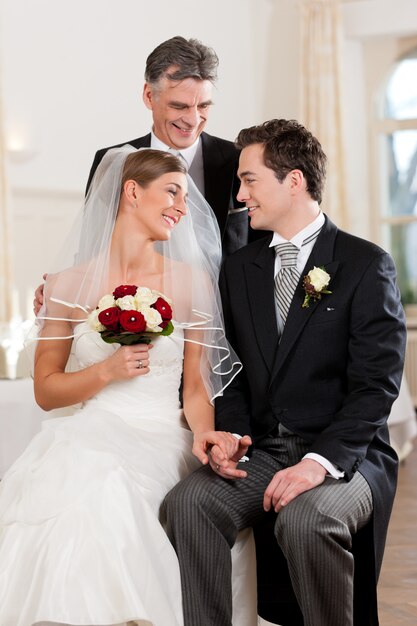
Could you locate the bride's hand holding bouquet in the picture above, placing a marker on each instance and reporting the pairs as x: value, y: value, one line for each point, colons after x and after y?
x: 126, y: 362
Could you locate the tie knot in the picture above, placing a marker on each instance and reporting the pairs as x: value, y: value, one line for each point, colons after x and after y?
x: 288, y: 254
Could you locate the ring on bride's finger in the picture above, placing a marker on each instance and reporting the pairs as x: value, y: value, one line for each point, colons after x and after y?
x: 217, y: 467
x: 140, y: 365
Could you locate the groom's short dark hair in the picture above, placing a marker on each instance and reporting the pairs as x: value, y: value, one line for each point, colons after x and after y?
x: 288, y: 145
x: 189, y: 58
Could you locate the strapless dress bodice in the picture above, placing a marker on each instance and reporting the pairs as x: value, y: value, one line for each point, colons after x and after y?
x: 153, y: 392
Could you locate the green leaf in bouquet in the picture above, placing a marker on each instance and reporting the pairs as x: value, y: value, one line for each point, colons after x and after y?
x: 167, y: 330
x: 125, y: 339
x: 130, y: 339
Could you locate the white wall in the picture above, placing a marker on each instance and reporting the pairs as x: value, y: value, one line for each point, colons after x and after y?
x: 375, y: 18
x: 72, y: 83
x: 73, y: 76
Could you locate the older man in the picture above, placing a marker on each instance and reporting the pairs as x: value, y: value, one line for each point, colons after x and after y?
x: 179, y: 77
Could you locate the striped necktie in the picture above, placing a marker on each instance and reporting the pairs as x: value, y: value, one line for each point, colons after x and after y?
x: 288, y: 276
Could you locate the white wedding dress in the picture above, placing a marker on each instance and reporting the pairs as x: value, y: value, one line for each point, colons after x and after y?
x: 80, y: 538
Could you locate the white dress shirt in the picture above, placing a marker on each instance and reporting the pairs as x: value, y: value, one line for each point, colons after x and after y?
x: 193, y: 157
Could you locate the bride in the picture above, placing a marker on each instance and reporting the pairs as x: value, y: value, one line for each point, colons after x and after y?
x: 81, y: 535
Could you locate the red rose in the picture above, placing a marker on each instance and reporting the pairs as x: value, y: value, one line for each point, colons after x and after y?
x: 163, y: 309
x: 124, y: 290
x: 110, y: 318
x: 132, y: 321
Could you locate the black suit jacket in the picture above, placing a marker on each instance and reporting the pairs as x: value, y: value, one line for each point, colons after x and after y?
x: 336, y: 371
x: 220, y: 159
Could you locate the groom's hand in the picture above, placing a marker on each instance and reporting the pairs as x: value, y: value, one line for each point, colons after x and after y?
x: 222, y: 451
x: 228, y: 469
x: 224, y: 445
x: 288, y: 483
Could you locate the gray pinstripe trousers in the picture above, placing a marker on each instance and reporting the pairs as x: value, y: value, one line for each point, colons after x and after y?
x: 204, y: 513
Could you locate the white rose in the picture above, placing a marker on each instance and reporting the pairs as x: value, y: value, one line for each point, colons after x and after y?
x: 144, y: 297
x: 106, y: 302
x: 153, y: 319
x: 159, y: 294
x: 318, y: 278
x: 94, y: 322
x: 127, y: 303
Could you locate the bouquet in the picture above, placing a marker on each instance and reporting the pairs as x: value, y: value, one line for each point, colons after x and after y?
x: 132, y: 315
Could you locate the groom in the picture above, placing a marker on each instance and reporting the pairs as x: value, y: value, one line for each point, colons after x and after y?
x: 315, y: 316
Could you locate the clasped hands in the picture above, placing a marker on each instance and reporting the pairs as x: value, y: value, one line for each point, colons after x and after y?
x: 222, y: 451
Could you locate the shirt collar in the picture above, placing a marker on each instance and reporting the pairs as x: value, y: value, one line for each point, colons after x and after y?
x: 298, y: 239
x: 188, y: 154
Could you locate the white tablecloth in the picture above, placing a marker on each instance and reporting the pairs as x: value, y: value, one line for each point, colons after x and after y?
x: 20, y: 419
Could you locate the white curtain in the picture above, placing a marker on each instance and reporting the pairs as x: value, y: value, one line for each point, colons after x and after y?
x: 321, y: 99
x: 6, y: 283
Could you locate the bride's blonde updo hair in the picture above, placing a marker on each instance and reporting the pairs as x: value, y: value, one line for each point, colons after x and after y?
x: 145, y: 166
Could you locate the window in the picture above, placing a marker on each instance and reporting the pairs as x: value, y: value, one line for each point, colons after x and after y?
x: 397, y: 137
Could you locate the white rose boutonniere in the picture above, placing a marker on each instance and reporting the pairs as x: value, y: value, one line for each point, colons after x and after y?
x: 315, y: 284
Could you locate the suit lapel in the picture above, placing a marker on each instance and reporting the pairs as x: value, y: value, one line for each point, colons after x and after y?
x: 259, y: 276
x: 298, y: 317
x: 142, y: 142
x: 216, y: 179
